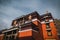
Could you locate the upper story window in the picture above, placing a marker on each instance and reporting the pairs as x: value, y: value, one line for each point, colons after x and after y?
x: 47, y: 25
x: 21, y: 21
x: 24, y: 19
x: 34, y: 27
x: 15, y: 23
x: 30, y: 26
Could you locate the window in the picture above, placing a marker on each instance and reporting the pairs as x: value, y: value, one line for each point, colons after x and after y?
x: 25, y: 27
x: 30, y: 26
x: 46, y: 20
x: 34, y: 16
x: 49, y: 33
x: 15, y: 23
x: 47, y: 25
x: 34, y: 27
x: 6, y: 38
x: 10, y: 32
x: 14, y: 31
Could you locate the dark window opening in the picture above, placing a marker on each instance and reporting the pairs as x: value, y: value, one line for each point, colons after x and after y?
x: 46, y: 20
x: 8, y: 33
x: 6, y: 38
x: 31, y: 26
x: 26, y: 27
x: 42, y: 19
x: 14, y: 31
x: 49, y: 32
x: 47, y: 25
x: 34, y: 27
x: 10, y: 38
x: 34, y: 16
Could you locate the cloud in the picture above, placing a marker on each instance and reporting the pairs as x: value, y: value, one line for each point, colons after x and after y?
x: 4, y: 23
x: 11, y: 12
x: 7, y: 15
x: 10, y: 9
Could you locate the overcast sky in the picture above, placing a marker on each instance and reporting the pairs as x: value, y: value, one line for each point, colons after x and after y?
x: 10, y: 9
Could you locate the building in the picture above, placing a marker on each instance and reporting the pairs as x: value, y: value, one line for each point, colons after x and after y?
x: 32, y: 27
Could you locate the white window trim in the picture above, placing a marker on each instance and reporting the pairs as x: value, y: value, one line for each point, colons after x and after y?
x: 33, y: 20
x: 9, y: 30
x: 51, y: 20
x: 28, y: 30
x: 42, y: 22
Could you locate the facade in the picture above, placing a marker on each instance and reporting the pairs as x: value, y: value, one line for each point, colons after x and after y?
x: 48, y: 27
x: 32, y: 27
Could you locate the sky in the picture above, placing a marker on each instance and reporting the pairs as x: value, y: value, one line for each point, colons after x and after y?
x: 11, y: 9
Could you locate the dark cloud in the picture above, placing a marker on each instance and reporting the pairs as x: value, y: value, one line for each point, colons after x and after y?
x: 10, y: 9
x: 4, y: 2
